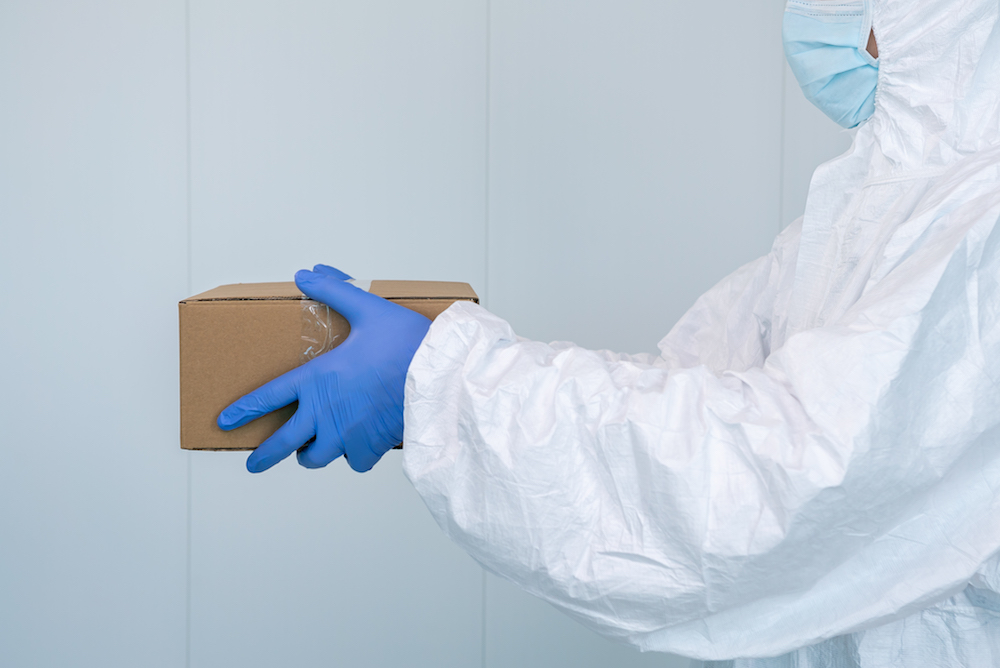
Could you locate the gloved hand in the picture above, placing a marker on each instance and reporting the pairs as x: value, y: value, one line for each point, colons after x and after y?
x: 350, y: 398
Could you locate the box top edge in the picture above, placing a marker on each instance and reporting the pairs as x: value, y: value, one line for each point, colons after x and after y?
x: 288, y: 291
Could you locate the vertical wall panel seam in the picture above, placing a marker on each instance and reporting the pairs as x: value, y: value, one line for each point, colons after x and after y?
x: 187, y: 131
x: 486, y: 216
x: 781, y: 157
x: 486, y: 270
x: 187, y: 138
x: 483, y: 630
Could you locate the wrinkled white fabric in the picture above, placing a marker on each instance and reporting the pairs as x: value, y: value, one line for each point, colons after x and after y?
x: 816, y: 450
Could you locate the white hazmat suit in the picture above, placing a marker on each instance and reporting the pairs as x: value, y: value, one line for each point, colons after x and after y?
x: 812, y: 464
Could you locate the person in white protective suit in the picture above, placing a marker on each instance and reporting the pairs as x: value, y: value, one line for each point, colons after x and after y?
x: 809, y: 470
x: 812, y: 464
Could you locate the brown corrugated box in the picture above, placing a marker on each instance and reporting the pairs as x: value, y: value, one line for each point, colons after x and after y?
x: 237, y: 337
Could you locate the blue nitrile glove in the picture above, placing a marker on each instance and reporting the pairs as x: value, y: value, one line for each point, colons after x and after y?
x: 350, y: 398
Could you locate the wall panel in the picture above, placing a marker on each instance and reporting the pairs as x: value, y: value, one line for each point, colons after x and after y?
x: 590, y: 167
x: 635, y: 161
x: 635, y: 155
x: 92, y: 263
x: 352, y: 134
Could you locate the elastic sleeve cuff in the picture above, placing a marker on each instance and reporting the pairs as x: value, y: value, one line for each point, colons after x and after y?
x: 435, y: 398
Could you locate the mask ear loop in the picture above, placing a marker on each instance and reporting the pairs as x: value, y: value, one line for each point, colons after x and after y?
x: 867, y: 30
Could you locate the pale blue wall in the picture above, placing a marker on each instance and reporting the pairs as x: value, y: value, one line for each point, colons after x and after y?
x: 590, y: 167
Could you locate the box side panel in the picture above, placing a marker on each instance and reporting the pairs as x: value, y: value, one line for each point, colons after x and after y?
x: 227, y: 350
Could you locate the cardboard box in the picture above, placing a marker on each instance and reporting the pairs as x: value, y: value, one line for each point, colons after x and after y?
x: 237, y: 337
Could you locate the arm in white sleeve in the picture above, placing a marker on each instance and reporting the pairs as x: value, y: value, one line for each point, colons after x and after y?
x: 729, y: 327
x: 845, y: 480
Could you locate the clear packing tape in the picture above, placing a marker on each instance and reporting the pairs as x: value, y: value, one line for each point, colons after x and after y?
x: 323, y: 329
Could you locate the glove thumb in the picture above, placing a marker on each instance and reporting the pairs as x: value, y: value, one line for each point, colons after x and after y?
x: 351, y: 302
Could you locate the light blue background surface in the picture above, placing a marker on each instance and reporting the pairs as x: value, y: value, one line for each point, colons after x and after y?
x: 590, y: 167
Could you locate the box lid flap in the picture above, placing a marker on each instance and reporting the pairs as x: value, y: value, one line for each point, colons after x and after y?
x: 385, y: 289
x: 248, y: 291
x: 423, y: 290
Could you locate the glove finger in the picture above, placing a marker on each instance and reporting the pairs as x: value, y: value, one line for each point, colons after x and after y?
x: 321, y: 452
x: 331, y: 271
x: 362, y: 458
x: 351, y: 302
x: 270, y: 396
x: 290, y: 437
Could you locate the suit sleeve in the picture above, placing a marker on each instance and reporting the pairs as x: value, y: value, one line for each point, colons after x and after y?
x: 727, y: 499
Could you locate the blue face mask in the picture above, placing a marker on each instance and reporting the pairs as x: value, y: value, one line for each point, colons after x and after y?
x: 825, y: 44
